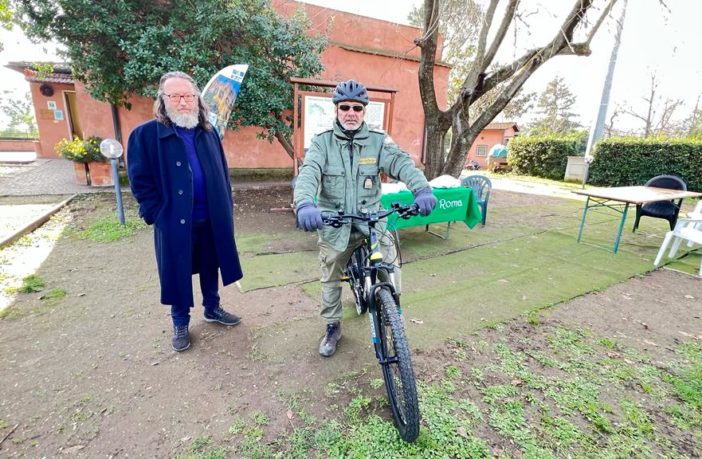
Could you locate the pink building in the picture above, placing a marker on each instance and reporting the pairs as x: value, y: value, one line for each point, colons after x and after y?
x: 374, y: 52
x: 493, y: 134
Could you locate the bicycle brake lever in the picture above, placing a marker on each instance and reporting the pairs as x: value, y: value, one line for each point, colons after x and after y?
x: 333, y: 222
x: 411, y: 211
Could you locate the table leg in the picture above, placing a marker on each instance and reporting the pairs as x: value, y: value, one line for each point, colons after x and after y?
x: 582, y: 221
x: 621, y: 227
x: 442, y: 236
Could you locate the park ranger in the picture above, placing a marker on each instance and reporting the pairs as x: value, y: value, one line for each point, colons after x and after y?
x: 341, y: 171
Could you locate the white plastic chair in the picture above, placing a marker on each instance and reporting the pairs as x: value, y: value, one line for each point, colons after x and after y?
x: 696, y: 219
x: 696, y: 214
x: 686, y: 229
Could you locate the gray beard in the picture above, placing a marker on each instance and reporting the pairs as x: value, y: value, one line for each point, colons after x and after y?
x: 184, y: 120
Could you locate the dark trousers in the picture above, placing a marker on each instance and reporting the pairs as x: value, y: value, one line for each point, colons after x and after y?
x: 205, y: 260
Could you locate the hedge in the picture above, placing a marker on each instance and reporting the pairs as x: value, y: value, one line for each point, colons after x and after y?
x: 542, y: 156
x: 633, y: 161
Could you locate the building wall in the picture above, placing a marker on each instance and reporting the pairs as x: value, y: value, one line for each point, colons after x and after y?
x: 487, y: 139
x: 354, y: 30
x: 51, y: 130
x: 95, y: 116
x: 377, y: 53
x: 17, y: 145
x: 374, y: 52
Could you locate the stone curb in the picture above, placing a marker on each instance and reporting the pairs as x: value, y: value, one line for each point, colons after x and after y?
x: 36, y: 223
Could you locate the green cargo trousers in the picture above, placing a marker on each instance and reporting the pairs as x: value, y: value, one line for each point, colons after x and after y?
x: 332, y: 263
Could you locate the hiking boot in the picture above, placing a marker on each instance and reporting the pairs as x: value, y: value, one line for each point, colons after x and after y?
x: 220, y: 315
x: 181, y: 338
x: 327, y: 347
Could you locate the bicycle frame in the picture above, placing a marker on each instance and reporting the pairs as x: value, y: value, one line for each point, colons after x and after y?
x: 387, y: 329
x: 373, y: 263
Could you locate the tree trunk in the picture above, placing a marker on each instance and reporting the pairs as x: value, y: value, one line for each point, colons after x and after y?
x: 434, y: 157
x: 457, y: 155
x: 287, y: 145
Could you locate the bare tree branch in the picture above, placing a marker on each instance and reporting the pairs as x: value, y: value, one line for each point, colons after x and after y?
x: 505, y: 72
x: 482, y: 38
x: 428, y: 44
x: 287, y: 145
x: 508, y: 78
x: 500, y: 35
x: 599, y: 22
x: 560, y: 44
x: 658, y: 117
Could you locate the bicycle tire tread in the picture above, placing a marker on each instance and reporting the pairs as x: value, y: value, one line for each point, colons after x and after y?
x: 410, y: 430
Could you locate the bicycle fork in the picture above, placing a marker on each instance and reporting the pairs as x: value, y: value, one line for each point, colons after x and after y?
x: 375, y: 322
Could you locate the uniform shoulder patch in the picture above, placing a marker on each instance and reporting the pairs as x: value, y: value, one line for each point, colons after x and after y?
x: 323, y: 132
x: 387, y: 139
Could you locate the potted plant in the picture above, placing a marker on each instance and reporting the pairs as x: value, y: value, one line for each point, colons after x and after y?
x: 90, y: 166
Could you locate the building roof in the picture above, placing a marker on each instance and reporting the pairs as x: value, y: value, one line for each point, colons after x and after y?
x: 31, y: 70
x: 384, y: 53
x: 503, y: 126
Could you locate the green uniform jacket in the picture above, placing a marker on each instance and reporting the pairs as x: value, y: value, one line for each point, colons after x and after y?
x: 335, y: 181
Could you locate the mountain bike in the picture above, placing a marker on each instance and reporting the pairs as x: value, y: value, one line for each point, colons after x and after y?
x: 372, y: 283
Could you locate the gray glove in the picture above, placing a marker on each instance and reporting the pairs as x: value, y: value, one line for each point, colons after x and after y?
x: 309, y: 217
x: 425, y: 200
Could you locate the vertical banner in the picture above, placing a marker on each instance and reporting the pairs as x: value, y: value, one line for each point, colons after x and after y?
x: 220, y: 94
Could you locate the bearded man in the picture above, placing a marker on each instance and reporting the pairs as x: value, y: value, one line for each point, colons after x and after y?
x: 179, y: 176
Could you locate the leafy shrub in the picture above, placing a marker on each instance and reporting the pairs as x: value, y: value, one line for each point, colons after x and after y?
x: 542, y: 156
x: 80, y: 151
x: 632, y: 161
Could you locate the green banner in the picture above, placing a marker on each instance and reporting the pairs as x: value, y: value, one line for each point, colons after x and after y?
x: 452, y: 205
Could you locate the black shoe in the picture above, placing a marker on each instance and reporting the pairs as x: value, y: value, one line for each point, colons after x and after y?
x: 327, y: 347
x: 220, y: 315
x: 181, y: 338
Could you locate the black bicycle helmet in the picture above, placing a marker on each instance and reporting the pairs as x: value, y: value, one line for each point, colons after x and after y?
x: 350, y: 90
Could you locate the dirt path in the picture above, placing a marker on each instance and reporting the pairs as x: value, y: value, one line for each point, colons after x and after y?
x: 93, y: 375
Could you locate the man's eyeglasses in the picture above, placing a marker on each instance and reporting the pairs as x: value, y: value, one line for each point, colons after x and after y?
x: 175, y: 98
x: 346, y: 108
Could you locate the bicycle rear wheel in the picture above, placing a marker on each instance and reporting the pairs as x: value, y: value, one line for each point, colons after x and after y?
x: 397, y: 367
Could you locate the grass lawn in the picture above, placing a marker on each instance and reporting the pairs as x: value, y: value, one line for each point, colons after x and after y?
x: 508, y: 388
x: 500, y: 373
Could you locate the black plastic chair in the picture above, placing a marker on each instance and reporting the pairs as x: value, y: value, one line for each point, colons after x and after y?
x: 481, y: 187
x: 667, y: 210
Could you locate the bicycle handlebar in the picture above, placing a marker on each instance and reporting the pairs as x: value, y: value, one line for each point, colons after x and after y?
x: 336, y: 219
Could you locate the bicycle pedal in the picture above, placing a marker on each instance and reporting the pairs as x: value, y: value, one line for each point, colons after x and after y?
x: 344, y: 278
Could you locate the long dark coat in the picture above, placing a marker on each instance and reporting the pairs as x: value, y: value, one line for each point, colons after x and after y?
x: 161, y: 182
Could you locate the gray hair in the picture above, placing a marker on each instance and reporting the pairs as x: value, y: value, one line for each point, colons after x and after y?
x: 160, y: 107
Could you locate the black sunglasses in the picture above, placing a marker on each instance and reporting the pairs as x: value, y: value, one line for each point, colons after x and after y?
x: 346, y: 108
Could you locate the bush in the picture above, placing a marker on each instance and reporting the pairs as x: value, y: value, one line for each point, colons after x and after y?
x: 80, y: 151
x: 542, y: 156
x: 632, y: 161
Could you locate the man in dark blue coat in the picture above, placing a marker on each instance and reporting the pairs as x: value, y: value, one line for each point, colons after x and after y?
x: 179, y: 176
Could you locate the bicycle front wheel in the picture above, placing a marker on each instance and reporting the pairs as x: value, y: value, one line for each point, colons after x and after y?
x: 354, y: 271
x: 397, y: 368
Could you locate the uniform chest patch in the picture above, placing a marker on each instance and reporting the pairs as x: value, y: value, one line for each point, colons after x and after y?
x: 368, y: 160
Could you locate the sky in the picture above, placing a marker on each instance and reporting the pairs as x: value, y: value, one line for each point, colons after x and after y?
x: 654, y: 39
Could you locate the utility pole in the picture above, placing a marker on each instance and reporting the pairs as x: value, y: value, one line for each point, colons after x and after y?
x: 598, y: 127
